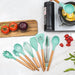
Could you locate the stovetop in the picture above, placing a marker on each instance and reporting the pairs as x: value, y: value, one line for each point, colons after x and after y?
x: 58, y: 23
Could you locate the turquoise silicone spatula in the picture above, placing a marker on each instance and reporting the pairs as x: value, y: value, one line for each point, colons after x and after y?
x: 34, y: 44
x: 40, y: 39
x: 55, y: 42
x: 17, y: 54
x: 69, y: 8
x: 27, y: 47
x: 8, y: 55
x: 19, y: 49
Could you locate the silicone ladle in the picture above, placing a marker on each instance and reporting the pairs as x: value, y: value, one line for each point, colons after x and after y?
x: 34, y: 44
x: 40, y: 39
x: 17, y: 54
x: 27, y: 47
x: 19, y: 49
x: 55, y: 42
x: 8, y: 55
x: 69, y: 8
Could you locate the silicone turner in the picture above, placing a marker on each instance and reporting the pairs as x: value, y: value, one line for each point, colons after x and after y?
x: 34, y: 44
x: 17, y: 54
x: 40, y: 39
x: 27, y: 47
x: 69, y: 8
x: 55, y: 42
x: 19, y: 49
x: 8, y: 55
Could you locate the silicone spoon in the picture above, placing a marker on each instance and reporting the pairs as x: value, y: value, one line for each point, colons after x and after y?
x: 27, y: 47
x: 69, y: 8
x: 19, y: 49
x: 40, y: 39
x: 7, y: 54
x: 55, y: 42
x: 17, y: 54
x: 34, y: 44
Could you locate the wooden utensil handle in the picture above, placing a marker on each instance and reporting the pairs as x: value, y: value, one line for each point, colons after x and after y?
x: 43, y: 58
x: 24, y: 64
x: 27, y: 62
x: 40, y: 60
x: 50, y: 60
x: 31, y: 62
x: 36, y: 62
x: 56, y: 1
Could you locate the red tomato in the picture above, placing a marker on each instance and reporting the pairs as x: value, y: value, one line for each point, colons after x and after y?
x: 5, y: 29
x: 61, y: 44
x: 13, y: 26
x: 66, y: 36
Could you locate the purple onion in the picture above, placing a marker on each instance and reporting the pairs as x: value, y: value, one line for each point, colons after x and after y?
x: 23, y: 26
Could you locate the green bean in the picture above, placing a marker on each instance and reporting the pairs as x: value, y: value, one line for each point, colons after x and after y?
x: 70, y: 69
x: 71, y: 55
x: 68, y: 58
x: 72, y: 59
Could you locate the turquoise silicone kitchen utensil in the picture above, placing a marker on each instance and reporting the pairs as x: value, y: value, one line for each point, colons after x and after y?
x: 47, y: 50
x: 40, y: 39
x: 17, y: 54
x: 55, y: 42
x: 19, y: 49
x: 7, y: 54
x: 27, y: 47
x: 69, y: 8
x: 34, y: 44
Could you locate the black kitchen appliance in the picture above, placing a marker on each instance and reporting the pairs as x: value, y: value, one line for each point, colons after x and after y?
x: 57, y: 22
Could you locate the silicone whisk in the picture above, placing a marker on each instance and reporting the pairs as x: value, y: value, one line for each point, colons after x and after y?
x: 8, y: 55
x: 19, y: 49
x: 40, y: 39
x: 55, y: 42
x: 27, y: 47
x: 17, y: 54
x: 34, y: 44
x: 69, y: 8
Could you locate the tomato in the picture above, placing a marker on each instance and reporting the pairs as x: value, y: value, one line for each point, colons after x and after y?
x: 5, y: 29
x: 61, y: 44
x: 13, y: 26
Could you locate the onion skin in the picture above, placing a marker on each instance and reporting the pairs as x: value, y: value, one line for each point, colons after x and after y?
x: 23, y: 26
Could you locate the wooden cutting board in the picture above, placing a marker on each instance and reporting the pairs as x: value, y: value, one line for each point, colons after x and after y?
x: 32, y: 29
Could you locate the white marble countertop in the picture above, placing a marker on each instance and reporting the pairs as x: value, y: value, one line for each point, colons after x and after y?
x: 11, y: 10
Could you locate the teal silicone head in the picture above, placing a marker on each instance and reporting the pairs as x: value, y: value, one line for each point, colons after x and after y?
x: 16, y: 53
x: 8, y: 55
x: 40, y: 39
x: 33, y: 43
x: 69, y: 8
x: 27, y: 47
x: 55, y: 41
x: 19, y: 48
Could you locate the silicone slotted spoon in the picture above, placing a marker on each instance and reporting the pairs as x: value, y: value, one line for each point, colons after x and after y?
x: 27, y: 47
x: 8, y: 55
x: 40, y: 39
x: 55, y: 42
x: 19, y: 49
x: 17, y: 54
x: 34, y: 44
x: 69, y: 8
